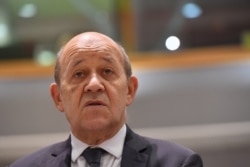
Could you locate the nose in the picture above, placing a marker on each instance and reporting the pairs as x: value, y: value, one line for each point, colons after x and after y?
x: 94, y: 84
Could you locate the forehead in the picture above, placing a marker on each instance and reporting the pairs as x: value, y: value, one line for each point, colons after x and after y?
x: 90, y: 45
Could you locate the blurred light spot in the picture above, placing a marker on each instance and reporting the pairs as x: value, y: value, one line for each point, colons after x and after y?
x: 45, y: 58
x: 191, y: 10
x: 28, y: 10
x: 4, y: 35
x: 172, y: 43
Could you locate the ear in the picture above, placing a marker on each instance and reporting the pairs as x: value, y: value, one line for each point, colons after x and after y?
x: 132, y: 88
x: 56, y: 96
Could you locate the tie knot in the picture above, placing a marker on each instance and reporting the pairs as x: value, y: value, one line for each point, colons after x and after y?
x: 93, y: 156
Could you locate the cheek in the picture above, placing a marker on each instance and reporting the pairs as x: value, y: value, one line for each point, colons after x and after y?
x: 121, y: 98
x: 70, y: 98
x: 70, y: 91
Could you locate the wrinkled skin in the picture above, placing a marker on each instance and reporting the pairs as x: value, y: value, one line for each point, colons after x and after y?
x: 94, y: 90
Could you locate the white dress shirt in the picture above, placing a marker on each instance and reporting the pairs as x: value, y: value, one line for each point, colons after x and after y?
x: 113, y: 146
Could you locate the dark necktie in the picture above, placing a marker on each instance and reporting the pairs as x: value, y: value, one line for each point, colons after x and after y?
x: 93, y: 156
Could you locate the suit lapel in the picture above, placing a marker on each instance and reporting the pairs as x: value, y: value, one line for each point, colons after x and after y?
x: 135, y: 152
x: 62, y: 160
x: 132, y: 158
x: 61, y: 155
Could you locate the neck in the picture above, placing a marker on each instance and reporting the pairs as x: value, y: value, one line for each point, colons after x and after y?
x: 94, y: 138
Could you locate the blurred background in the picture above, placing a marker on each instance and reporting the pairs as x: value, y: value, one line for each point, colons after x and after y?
x: 192, y: 59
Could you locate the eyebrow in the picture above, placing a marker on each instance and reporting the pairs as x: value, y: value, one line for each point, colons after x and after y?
x: 108, y: 59
x: 77, y: 62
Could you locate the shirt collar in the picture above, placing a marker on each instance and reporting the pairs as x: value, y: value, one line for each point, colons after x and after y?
x: 113, y: 145
x: 77, y: 147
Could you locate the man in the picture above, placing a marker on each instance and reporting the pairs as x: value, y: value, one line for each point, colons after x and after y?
x: 93, y: 86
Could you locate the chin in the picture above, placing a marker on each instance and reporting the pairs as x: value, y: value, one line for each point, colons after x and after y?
x: 96, y: 125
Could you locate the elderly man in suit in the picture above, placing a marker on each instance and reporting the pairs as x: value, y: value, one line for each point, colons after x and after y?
x: 93, y: 86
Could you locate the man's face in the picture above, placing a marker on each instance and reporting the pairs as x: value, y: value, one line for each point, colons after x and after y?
x: 94, y: 89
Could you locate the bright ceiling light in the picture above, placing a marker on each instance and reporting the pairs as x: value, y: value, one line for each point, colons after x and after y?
x: 4, y: 35
x: 191, y: 10
x: 45, y: 57
x: 28, y: 10
x: 172, y: 43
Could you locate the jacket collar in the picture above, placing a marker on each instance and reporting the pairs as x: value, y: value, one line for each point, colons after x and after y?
x: 135, y: 151
x: 61, y: 156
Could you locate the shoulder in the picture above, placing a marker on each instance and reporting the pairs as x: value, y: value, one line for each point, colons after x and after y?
x: 159, y: 146
x: 172, y: 153
x: 162, y: 152
x: 41, y: 156
x: 165, y: 146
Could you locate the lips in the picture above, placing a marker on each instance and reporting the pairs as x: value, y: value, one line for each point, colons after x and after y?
x: 95, y: 103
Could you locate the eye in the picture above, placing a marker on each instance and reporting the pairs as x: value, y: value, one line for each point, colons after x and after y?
x: 79, y: 74
x: 107, y: 71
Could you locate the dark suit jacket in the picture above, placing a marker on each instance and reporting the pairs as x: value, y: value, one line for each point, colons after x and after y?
x: 138, y: 152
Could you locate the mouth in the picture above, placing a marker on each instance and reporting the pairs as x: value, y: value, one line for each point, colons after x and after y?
x: 95, y: 103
